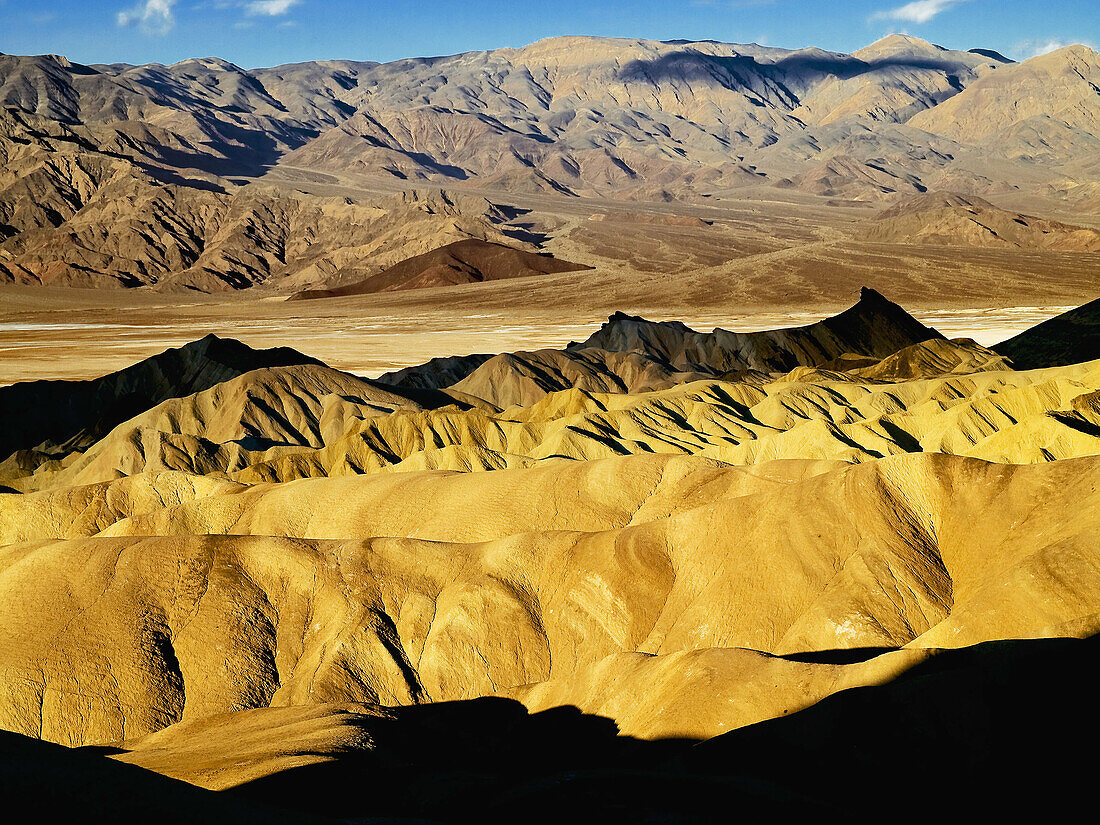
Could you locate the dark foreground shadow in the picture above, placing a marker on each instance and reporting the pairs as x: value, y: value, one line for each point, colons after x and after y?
x: 993, y: 730
x: 46, y: 783
x: 1004, y: 729
x: 489, y: 760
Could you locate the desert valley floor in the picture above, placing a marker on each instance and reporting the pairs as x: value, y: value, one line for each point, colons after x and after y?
x: 702, y: 265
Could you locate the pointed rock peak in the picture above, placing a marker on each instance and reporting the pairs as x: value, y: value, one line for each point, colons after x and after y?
x: 878, y: 322
x: 204, y: 344
x: 871, y: 295
x: 870, y: 298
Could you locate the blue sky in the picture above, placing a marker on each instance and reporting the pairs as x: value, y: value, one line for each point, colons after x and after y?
x: 266, y: 32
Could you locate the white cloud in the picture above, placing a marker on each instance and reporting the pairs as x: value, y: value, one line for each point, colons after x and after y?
x: 270, y: 8
x: 1027, y: 49
x: 919, y: 11
x: 152, y: 16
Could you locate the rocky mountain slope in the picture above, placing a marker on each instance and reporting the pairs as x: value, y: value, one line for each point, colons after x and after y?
x: 76, y: 217
x: 953, y: 220
x: 585, y: 115
x: 133, y: 175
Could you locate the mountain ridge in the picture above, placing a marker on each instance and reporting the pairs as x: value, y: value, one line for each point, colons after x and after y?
x: 619, y: 119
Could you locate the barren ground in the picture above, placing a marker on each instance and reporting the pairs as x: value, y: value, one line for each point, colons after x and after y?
x: 754, y: 263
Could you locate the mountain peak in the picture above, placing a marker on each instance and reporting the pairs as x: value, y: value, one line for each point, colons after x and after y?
x: 213, y: 63
x: 1077, y: 51
x: 871, y: 295
x: 875, y: 326
x: 900, y: 43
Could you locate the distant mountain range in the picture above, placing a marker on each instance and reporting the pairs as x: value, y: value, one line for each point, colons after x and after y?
x: 130, y: 175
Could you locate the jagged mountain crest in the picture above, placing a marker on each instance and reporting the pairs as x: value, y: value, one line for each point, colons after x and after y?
x: 874, y: 327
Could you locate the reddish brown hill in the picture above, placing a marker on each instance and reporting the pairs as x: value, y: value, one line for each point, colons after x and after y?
x: 462, y: 262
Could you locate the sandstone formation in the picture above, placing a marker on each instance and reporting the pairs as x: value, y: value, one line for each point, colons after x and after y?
x: 454, y: 611
x: 634, y: 386
x: 672, y: 558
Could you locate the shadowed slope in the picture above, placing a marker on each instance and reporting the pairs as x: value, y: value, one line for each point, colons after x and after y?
x: 485, y: 760
x: 1069, y: 338
x: 79, y: 786
x: 53, y: 413
x: 993, y: 728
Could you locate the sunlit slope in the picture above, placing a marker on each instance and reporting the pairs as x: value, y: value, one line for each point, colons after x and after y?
x: 995, y: 414
x: 108, y: 638
x: 718, y: 547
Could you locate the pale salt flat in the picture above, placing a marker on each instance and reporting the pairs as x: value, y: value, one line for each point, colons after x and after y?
x: 73, y: 350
